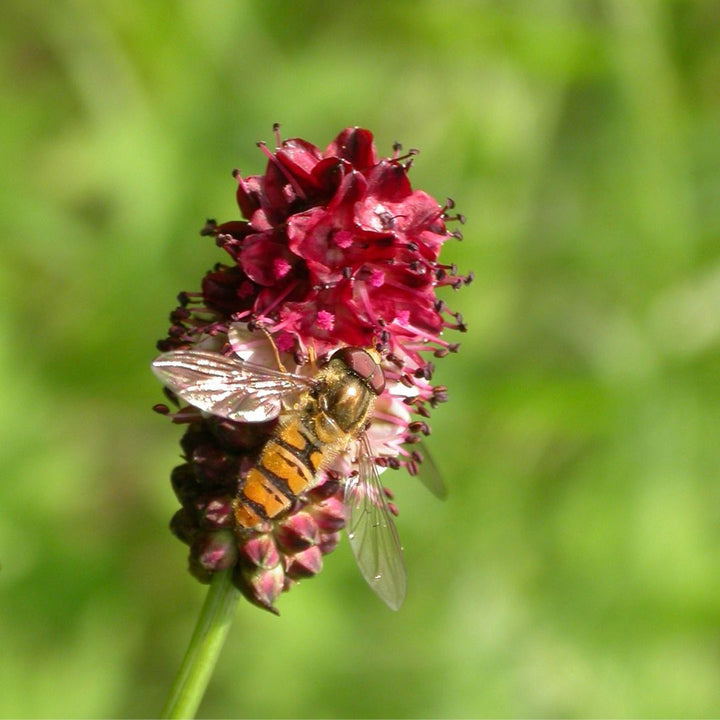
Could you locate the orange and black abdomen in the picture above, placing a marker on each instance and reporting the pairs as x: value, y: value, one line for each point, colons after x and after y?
x: 288, y: 465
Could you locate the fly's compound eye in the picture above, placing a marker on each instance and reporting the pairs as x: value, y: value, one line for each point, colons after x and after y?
x: 364, y: 366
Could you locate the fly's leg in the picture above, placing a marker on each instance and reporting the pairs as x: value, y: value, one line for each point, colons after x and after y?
x: 276, y: 353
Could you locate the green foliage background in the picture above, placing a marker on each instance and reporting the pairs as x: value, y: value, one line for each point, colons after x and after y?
x: 575, y: 568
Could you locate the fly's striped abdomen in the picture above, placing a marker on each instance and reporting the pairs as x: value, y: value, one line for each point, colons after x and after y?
x: 288, y: 465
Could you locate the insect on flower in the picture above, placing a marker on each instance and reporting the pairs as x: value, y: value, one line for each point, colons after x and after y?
x: 330, y: 410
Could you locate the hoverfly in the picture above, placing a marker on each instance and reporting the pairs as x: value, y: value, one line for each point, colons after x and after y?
x: 329, y: 411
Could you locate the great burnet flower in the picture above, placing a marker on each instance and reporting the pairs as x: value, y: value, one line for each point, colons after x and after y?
x: 335, y: 249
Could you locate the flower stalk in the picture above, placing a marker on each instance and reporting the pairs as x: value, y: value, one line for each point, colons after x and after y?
x: 206, y: 643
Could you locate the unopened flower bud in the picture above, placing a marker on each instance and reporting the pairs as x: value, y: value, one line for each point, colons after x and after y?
x: 218, y: 512
x: 328, y: 542
x: 305, y: 564
x: 260, y: 551
x: 297, y: 532
x: 261, y: 586
x: 216, y: 551
x: 329, y: 514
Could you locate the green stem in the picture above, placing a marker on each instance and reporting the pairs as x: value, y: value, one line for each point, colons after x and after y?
x: 205, y: 646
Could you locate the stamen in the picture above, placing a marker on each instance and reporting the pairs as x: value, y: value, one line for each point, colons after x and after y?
x: 390, y: 418
x: 409, y: 154
x: 266, y: 311
x: 286, y: 174
x: 246, y: 190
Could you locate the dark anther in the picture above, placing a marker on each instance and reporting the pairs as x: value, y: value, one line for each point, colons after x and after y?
x: 440, y: 393
x: 425, y: 371
x: 440, y: 306
x: 456, y: 234
x: 419, y: 426
x: 179, y: 314
x: 209, y: 228
x: 161, y: 409
x: 469, y: 277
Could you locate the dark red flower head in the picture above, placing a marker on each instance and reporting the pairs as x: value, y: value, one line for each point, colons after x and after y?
x: 335, y: 249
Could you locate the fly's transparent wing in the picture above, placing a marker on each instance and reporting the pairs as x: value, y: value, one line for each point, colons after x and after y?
x: 226, y: 386
x: 371, y: 530
x: 429, y: 474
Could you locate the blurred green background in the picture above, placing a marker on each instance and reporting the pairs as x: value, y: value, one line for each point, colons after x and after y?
x: 575, y: 568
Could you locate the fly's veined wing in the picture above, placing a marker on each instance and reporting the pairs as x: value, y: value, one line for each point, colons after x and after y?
x: 429, y: 474
x: 371, y: 530
x: 226, y: 386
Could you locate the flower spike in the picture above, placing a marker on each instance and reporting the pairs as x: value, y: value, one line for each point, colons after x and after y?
x: 330, y: 280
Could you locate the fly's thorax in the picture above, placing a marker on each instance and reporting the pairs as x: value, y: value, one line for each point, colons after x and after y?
x: 343, y: 398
